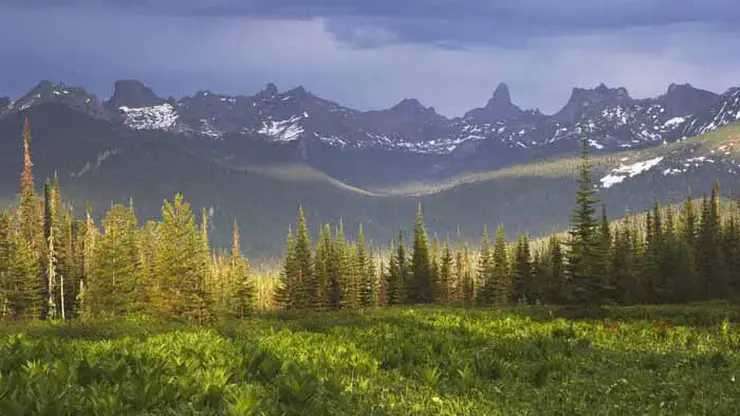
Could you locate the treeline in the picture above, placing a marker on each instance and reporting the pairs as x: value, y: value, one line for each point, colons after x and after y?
x: 664, y: 255
x: 54, y: 266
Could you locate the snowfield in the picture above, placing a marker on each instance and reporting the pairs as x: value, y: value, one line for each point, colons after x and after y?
x: 623, y: 172
x: 158, y: 117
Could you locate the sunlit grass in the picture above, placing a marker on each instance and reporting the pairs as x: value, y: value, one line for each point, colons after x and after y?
x: 668, y: 360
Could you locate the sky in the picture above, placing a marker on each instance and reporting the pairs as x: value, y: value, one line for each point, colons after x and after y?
x: 371, y: 54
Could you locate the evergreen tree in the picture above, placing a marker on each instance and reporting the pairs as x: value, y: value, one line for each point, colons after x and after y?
x: 583, y: 256
x: 366, y: 272
x: 468, y: 283
x: 485, y: 270
x: 179, y: 265
x: 523, y: 285
x: 5, y: 247
x: 30, y: 217
x: 241, y: 285
x: 322, y: 266
x: 25, y: 291
x: 306, y: 282
x: 501, y: 284
x: 287, y: 291
x: 420, y: 288
x: 114, y: 280
x: 335, y: 268
x: 445, y: 274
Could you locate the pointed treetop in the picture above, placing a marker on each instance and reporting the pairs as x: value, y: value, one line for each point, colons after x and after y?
x: 27, y: 175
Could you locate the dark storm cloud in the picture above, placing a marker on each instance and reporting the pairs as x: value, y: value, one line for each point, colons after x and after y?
x: 373, y: 53
x: 454, y: 21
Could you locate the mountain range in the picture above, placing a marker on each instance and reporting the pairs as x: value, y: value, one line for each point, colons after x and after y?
x: 255, y: 157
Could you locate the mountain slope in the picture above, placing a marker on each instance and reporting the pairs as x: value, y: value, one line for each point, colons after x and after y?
x: 406, y: 142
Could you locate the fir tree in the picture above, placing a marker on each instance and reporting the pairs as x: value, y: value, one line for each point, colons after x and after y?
x: 501, y: 284
x: 114, y: 280
x: 445, y: 274
x: 523, y: 286
x: 306, y: 283
x: 322, y: 267
x: 420, y: 288
x: 241, y: 285
x: 583, y: 256
x: 286, y: 293
x: 25, y: 291
x: 485, y: 270
x: 179, y: 265
x: 335, y: 269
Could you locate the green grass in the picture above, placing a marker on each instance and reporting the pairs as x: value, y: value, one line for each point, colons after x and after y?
x: 409, y: 361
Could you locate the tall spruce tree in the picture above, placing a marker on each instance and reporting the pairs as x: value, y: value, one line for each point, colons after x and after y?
x: 445, y: 280
x: 420, y: 287
x: 241, y: 286
x: 501, y: 284
x: 485, y: 270
x: 306, y: 282
x: 179, y: 264
x: 286, y: 293
x: 523, y: 272
x: 583, y: 256
x: 322, y: 266
x: 114, y: 280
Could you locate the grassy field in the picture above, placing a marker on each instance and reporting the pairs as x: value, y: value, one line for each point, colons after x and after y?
x: 412, y: 361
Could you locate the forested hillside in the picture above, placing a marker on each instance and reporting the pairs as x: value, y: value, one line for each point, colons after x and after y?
x: 55, y: 266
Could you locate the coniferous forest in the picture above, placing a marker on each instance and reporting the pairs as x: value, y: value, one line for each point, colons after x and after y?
x: 58, y: 264
x: 117, y: 316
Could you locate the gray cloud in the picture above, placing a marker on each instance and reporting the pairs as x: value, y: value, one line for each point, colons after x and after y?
x: 362, y: 56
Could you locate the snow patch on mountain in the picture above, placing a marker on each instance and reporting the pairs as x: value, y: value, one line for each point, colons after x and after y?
x: 284, y: 130
x: 623, y: 172
x: 675, y: 121
x: 158, y: 117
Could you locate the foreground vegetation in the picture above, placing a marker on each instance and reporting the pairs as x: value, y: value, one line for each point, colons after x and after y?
x: 399, y: 361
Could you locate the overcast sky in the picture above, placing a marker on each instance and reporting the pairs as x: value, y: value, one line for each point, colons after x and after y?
x: 370, y: 54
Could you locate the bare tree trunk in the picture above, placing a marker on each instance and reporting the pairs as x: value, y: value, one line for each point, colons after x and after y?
x: 61, y: 295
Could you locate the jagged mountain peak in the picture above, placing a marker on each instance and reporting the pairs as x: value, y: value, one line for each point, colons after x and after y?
x: 501, y: 94
x: 409, y: 105
x: 584, y: 99
x: 133, y: 94
x: 298, y: 92
x: 684, y: 99
x: 498, y: 109
x: 270, y: 90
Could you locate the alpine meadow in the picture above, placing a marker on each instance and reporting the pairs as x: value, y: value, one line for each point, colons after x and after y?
x: 243, y: 207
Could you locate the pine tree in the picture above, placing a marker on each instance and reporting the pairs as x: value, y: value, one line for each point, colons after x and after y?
x: 400, y: 274
x: 335, y: 269
x: 286, y: 293
x: 583, y: 256
x: 114, y: 280
x: 501, y: 284
x: 88, y: 263
x: 445, y: 274
x: 30, y: 219
x: 420, y: 288
x: 25, y: 295
x: 468, y: 283
x: 366, y: 272
x: 241, y: 287
x: 179, y: 264
x: 5, y: 253
x: 322, y: 267
x: 523, y: 285
x: 306, y: 282
x: 485, y: 270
